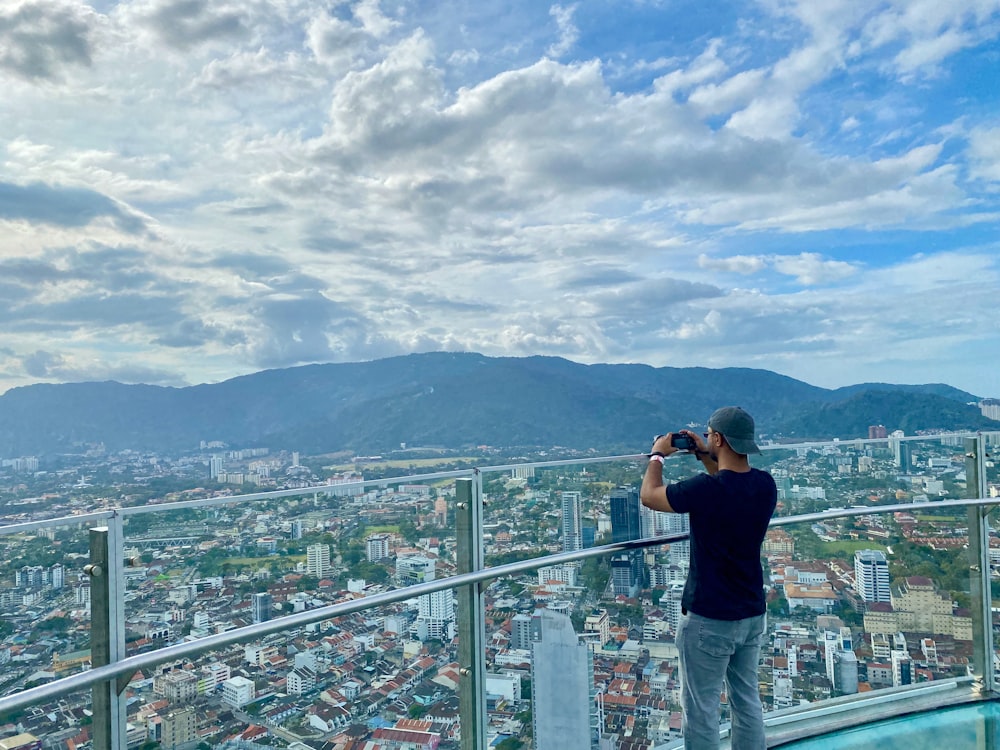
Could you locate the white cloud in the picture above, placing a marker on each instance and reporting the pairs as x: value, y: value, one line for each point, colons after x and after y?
x: 568, y: 33
x: 344, y: 182
x: 811, y: 268
x: 984, y: 153
x: 376, y: 23
x: 742, y: 264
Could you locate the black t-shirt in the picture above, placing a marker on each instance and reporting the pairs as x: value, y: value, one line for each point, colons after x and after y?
x: 729, y: 514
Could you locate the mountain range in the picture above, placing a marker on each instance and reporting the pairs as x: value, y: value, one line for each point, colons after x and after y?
x: 455, y: 400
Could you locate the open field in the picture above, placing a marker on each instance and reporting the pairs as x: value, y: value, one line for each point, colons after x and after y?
x: 406, y: 463
x: 262, y: 560
x: 926, y: 517
x: 846, y: 548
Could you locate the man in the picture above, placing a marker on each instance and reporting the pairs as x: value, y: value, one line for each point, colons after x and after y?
x: 722, y: 609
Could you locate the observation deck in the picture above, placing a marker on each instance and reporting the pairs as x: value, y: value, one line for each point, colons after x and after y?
x: 235, y: 630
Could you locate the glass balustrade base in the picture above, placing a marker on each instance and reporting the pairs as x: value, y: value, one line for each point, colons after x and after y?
x: 966, y: 727
x: 867, y: 720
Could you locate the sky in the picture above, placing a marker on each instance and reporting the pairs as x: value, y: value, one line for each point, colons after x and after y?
x: 193, y: 190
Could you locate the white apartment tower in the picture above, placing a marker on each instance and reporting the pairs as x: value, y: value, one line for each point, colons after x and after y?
x: 571, y: 526
x: 58, y: 576
x: 436, y: 616
x: 318, y: 560
x: 435, y: 611
x: 871, y: 575
x: 377, y: 547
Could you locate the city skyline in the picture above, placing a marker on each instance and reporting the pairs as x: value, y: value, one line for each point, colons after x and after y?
x: 612, y: 668
x: 196, y: 191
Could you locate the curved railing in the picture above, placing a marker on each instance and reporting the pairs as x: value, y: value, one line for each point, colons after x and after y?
x: 120, y: 668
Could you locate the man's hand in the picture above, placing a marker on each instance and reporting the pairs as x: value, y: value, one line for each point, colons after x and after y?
x: 702, y: 453
x: 662, y: 445
x: 700, y: 447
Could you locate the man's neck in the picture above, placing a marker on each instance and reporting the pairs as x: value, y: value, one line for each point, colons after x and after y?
x: 732, y: 461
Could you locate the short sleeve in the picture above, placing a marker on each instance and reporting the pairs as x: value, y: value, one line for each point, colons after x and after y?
x: 684, y: 495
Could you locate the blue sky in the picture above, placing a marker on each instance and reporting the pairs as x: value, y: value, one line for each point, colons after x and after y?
x: 192, y: 190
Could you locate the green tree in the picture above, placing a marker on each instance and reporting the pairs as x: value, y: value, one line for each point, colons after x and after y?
x: 408, y: 531
x: 415, y: 711
x: 54, y: 625
x: 778, y: 607
x: 307, y: 583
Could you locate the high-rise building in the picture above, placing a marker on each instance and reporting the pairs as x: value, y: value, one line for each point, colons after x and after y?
x: 178, y: 728
x: 296, y: 529
x: 377, y: 547
x: 871, y: 575
x: 318, y: 560
x: 649, y: 522
x: 901, y: 449
x: 215, y: 466
x: 990, y: 408
x: 261, y: 604
x: 877, y: 431
x: 31, y: 577
x: 627, y: 570
x: 564, y: 709
x: 435, y: 611
x: 831, y: 648
x: 571, y: 526
x: 624, y: 581
x: 83, y: 593
x: 625, y: 506
x: 521, y: 633
x: 902, y: 669
x: 676, y: 523
x: 436, y: 616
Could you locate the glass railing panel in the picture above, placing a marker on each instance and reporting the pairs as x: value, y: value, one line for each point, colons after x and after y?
x: 366, y: 676
x: 817, y: 477
x: 533, y: 510
x: 991, y: 442
x: 576, y: 646
x: 990, y: 446
x: 849, y: 614
x: 235, y: 564
x: 59, y: 721
x: 44, y: 603
x: 199, y: 571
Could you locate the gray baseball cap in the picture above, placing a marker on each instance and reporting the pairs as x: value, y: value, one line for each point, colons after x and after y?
x: 736, y: 426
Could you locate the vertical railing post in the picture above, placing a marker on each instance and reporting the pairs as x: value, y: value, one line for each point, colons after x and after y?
x: 979, y: 565
x: 107, y: 631
x: 471, y: 613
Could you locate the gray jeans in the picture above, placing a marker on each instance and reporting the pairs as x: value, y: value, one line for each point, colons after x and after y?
x: 713, y: 652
